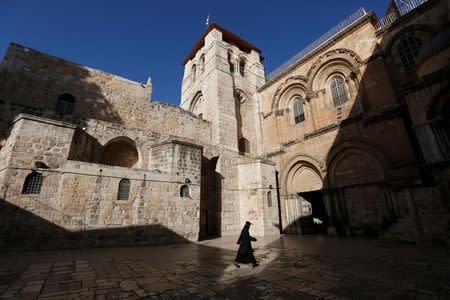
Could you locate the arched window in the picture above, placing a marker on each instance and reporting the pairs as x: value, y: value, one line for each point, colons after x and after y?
x: 299, y: 113
x: 33, y: 183
x: 242, y: 67
x: 408, y: 49
x: 123, y: 192
x: 338, y: 90
x: 197, y: 105
x: 193, y: 72
x: 184, y: 191
x: 65, y: 104
x: 230, y: 63
x: 202, y: 63
x: 269, y: 199
x: 243, y: 145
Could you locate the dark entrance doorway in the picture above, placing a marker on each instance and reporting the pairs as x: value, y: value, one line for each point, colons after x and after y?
x: 314, y: 219
x: 210, y: 199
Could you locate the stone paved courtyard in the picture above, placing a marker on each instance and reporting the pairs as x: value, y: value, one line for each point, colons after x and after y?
x: 292, y: 267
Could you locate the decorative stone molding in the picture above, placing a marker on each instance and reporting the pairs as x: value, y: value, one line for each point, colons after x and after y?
x: 299, y: 80
x: 355, y: 60
x: 305, y: 82
x: 289, y: 143
x: 265, y: 115
x: 320, y: 131
x: 275, y: 152
x: 240, y: 96
x: 313, y: 95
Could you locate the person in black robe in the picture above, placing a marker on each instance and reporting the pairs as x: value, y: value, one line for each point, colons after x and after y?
x: 245, y: 252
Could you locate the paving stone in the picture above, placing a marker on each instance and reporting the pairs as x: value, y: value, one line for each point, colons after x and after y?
x: 295, y: 268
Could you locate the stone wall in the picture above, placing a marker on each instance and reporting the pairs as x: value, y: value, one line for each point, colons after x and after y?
x: 78, y: 205
x: 31, y: 82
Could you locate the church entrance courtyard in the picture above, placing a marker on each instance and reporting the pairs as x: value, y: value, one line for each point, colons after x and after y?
x: 291, y: 267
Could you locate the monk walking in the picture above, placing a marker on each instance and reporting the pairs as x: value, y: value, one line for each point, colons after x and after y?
x: 245, y: 252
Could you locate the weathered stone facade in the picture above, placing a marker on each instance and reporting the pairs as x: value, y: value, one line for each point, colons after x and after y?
x: 346, y: 139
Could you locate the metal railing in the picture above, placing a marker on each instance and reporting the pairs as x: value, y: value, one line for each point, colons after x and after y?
x: 402, y: 8
x: 349, y: 21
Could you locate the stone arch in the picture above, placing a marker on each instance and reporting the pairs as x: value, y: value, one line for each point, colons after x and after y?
x: 354, y: 163
x: 202, y: 63
x: 120, y: 151
x: 415, y: 27
x: 289, y: 88
x: 343, y: 61
x: 301, y: 167
x: 65, y: 105
x: 196, y: 105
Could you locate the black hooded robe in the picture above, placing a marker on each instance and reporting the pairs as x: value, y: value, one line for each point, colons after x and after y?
x: 245, y: 252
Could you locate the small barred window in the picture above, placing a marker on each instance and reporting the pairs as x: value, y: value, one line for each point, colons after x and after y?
x: 243, y: 145
x: 338, y: 90
x: 33, y: 183
x: 269, y: 199
x: 123, y: 192
x: 184, y: 191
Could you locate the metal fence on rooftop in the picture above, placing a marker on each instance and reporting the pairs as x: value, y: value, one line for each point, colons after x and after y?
x: 403, y: 7
x: 349, y: 21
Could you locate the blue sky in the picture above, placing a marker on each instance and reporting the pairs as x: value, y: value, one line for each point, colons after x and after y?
x: 137, y: 38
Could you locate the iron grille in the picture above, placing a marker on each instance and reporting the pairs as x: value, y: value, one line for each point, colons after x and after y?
x: 408, y: 50
x: 123, y: 192
x: 338, y: 91
x: 299, y: 113
x: 33, y: 183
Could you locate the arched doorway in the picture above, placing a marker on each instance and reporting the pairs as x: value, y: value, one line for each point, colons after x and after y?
x: 358, y: 199
x: 303, y: 209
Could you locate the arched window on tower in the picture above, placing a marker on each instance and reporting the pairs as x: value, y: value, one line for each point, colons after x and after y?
x: 123, y: 192
x: 33, y: 183
x: 230, y: 63
x: 193, y: 72
x: 243, y: 145
x: 184, y: 191
x: 197, y: 105
x: 338, y: 90
x: 299, y: 112
x: 242, y: 67
x: 65, y: 104
x: 202, y: 64
x: 408, y: 49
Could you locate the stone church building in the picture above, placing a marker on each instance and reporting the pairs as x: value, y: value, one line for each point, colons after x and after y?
x: 349, y: 137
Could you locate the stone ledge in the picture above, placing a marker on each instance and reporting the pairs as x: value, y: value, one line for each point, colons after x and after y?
x: 177, y: 142
x: 43, y: 120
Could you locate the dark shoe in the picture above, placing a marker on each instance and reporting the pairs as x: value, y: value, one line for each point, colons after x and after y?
x: 255, y: 265
x: 236, y: 265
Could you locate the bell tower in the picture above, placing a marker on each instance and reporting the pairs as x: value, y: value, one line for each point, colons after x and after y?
x: 221, y: 76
